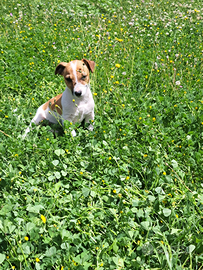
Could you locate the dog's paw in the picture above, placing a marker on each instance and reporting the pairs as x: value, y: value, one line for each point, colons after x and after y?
x: 90, y: 128
x: 73, y: 133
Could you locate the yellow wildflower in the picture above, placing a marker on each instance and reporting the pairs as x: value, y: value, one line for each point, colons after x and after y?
x: 43, y: 219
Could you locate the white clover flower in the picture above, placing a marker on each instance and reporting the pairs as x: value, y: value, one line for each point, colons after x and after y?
x: 177, y: 82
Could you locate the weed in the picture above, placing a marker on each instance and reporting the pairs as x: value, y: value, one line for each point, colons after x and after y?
x: 129, y: 194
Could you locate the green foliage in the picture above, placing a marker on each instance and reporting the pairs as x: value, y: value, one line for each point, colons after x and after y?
x: 128, y: 195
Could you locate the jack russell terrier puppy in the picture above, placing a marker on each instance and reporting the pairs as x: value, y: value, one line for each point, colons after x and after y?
x: 76, y: 103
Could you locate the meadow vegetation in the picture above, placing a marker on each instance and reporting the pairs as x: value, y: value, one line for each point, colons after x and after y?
x: 128, y: 195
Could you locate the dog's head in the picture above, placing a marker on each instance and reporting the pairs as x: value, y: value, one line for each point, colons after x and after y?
x: 76, y: 75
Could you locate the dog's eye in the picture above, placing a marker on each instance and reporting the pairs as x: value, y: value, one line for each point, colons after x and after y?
x: 68, y: 79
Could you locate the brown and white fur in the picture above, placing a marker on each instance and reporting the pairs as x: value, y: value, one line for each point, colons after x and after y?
x: 76, y: 103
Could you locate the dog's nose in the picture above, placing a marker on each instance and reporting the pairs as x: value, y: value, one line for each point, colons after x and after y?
x: 78, y: 93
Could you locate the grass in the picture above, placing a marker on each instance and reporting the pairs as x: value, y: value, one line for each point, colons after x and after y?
x: 128, y: 195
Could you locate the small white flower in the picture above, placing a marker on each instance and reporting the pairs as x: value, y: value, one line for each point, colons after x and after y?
x: 177, y: 82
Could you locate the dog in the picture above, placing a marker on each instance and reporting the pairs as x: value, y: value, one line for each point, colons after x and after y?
x: 76, y: 103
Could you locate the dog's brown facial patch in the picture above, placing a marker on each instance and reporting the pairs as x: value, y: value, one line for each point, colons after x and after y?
x: 77, y: 72
x: 68, y: 77
x: 54, y: 104
x: 82, y: 72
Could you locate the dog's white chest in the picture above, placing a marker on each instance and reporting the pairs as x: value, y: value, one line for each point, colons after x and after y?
x: 77, y: 111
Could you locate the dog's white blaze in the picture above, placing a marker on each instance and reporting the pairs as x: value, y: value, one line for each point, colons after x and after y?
x: 73, y: 65
x: 78, y: 86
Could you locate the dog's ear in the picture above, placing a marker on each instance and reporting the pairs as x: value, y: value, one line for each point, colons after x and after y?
x: 89, y: 64
x: 60, y: 68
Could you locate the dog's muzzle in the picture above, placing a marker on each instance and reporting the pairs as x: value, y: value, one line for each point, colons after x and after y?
x: 78, y: 93
x: 80, y: 90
